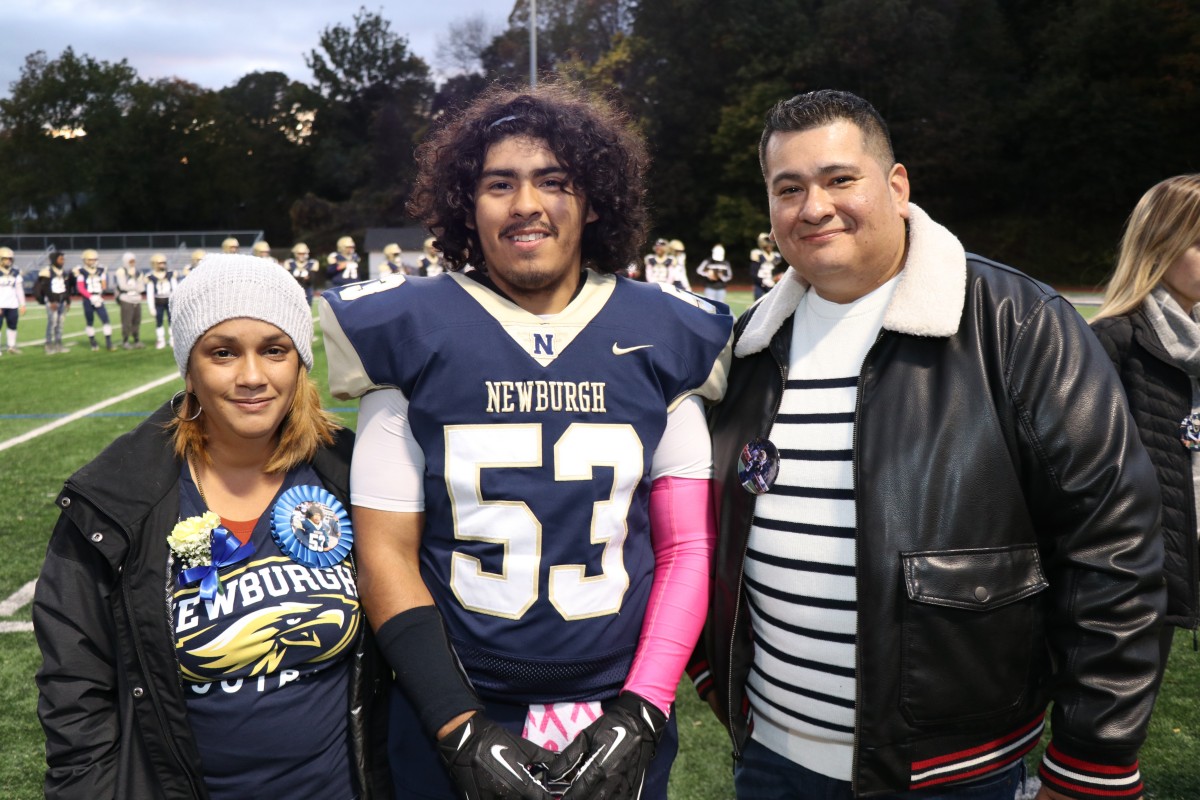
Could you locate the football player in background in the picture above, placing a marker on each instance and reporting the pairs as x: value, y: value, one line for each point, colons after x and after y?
x: 659, y: 264
x: 263, y: 250
x: 230, y: 245
x: 391, y: 260
x: 53, y: 290
x: 160, y: 283
x: 91, y: 279
x: 430, y: 263
x: 303, y: 269
x: 678, y: 276
x: 532, y: 476
x: 12, y: 298
x: 766, y: 264
x: 197, y: 257
x: 343, y: 264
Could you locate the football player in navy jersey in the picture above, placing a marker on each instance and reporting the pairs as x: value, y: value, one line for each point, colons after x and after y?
x: 343, y: 263
x: 531, y: 482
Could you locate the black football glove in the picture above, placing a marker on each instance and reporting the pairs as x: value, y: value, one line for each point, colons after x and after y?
x: 487, y: 762
x: 608, y: 759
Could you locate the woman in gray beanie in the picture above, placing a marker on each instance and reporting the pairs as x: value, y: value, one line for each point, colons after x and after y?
x: 198, y: 638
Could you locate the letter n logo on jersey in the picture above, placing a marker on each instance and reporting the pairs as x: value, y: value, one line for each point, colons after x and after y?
x: 543, y: 344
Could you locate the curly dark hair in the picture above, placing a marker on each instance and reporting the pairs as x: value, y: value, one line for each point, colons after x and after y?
x: 595, y: 143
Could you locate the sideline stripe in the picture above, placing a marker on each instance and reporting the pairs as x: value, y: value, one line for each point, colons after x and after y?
x: 69, y: 418
x: 19, y: 599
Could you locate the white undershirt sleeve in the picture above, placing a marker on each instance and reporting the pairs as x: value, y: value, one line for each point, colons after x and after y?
x: 388, y: 468
x: 685, y: 450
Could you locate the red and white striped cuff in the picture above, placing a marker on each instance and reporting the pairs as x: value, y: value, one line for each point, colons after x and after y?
x: 977, y: 761
x: 1086, y: 780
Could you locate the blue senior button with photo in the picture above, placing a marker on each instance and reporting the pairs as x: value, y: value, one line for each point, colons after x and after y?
x: 312, y: 527
x: 1189, y: 431
x: 758, y: 466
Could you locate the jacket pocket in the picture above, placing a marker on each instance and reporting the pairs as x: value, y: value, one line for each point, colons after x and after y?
x: 970, y: 629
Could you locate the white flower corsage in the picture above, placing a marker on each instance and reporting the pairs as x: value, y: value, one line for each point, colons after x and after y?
x: 191, y: 539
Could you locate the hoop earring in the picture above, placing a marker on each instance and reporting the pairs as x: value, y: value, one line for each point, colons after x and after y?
x: 179, y: 400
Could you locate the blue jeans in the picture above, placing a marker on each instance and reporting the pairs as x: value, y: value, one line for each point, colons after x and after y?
x: 56, y: 311
x: 763, y: 774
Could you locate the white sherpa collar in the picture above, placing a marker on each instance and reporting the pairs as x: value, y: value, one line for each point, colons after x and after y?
x: 929, y: 296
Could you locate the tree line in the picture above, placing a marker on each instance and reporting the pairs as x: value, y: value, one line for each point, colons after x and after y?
x: 1030, y: 128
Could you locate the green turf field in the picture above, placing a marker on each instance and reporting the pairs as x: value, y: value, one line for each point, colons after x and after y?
x: 36, y: 389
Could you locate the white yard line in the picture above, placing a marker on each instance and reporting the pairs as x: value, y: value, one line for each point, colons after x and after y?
x: 15, y: 602
x: 19, y: 599
x: 83, y: 412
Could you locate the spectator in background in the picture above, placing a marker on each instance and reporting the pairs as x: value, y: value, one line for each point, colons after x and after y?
x: 160, y: 285
x: 12, y: 298
x: 303, y: 268
x: 91, y: 281
x: 53, y: 290
x: 716, y: 274
x: 1149, y: 323
x: 131, y: 288
x: 343, y: 264
x: 391, y: 261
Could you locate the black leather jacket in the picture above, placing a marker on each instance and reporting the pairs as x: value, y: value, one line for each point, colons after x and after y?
x: 1160, y: 396
x: 1008, y: 551
x: 111, y: 700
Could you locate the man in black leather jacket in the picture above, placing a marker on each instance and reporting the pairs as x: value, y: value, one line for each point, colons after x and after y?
x: 973, y: 537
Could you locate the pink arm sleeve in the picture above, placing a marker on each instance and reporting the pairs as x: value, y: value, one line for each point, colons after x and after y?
x: 81, y: 285
x: 683, y: 532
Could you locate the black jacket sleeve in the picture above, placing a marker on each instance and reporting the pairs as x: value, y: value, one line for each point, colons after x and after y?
x: 1099, y: 508
x: 77, y: 683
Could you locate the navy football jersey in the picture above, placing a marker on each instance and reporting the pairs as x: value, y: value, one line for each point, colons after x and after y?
x: 538, y: 436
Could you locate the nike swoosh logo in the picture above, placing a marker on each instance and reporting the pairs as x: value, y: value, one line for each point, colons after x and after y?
x: 620, y: 351
x: 620, y: 737
x: 498, y: 754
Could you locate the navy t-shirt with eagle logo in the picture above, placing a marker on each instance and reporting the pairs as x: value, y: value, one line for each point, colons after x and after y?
x: 266, y: 668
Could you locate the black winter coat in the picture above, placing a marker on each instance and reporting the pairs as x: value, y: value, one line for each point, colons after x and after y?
x: 1007, y: 544
x: 1160, y: 396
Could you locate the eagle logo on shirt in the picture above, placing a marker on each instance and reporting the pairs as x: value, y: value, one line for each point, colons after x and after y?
x: 287, y: 633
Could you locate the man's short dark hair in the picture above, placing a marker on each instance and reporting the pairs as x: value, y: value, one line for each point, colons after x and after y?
x: 604, y: 157
x: 824, y: 107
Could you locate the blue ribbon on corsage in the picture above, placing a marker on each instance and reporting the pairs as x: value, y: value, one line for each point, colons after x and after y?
x: 226, y: 550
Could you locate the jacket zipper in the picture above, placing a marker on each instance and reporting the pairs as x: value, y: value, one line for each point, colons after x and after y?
x: 857, y: 572
x: 737, y: 608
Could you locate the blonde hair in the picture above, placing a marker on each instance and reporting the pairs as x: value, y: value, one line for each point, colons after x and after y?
x: 304, y: 428
x: 1163, y: 225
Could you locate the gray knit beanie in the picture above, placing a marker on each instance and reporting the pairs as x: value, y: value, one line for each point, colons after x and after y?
x: 225, y: 286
